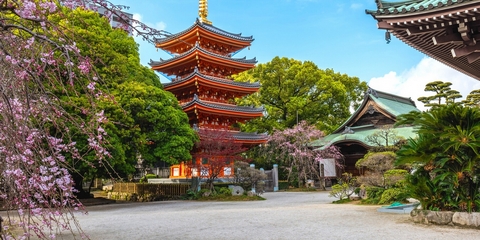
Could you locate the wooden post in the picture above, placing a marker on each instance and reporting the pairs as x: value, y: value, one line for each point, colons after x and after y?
x: 322, y: 176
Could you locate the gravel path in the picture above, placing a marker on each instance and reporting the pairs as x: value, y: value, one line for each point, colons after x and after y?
x: 284, y: 215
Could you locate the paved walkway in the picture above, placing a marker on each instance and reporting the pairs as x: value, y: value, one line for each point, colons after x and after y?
x: 284, y: 215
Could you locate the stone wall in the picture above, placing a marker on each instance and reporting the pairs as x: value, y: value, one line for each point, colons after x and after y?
x: 463, y: 219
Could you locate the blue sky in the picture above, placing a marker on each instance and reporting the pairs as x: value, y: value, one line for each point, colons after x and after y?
x: 332, y: 34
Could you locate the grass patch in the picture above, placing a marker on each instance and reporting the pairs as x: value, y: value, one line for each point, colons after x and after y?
x: 231, y: 198
x: 345, y: 200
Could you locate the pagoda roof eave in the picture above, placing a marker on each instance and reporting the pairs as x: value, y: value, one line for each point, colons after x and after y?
x: 223, y: 109
x: 225, y: 83
x: 251, y: 138
x: 241, y: 62
x: 387, y: 9
x: 436, y: 32
x: 207, y: 27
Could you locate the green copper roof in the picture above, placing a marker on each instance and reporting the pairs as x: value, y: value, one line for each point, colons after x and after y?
x: 411, y: 6
x: 393, y: 104
x: 394, y: 107
x: 390, y: 103
x: 359, y: 134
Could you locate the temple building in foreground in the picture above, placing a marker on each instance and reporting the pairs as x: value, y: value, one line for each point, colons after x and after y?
x: 445, y: 30
x: 378, y: 111
x: 200, y: 71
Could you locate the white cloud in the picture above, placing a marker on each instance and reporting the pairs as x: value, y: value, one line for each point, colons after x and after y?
x: 160, y: 26
x: 137, y: 16
x: 356, y: 6
x: 157, y: 25
x: 411, y: 83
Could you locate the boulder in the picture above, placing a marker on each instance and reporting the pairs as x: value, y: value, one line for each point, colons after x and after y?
x: 236, y: 190
x: 466, y: 219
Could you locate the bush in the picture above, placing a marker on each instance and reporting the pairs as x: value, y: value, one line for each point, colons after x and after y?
x: 374, y: 194
x: 345, y: 187
x: 225, y: 191
x: 283, y: 185
x: 248, y: 177
x: 190, y: 195
x: 147, y: 176
x: 393, y: 195
x: 393, y: 176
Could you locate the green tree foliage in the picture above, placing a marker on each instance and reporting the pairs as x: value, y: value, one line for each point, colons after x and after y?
x: 445, y: 159
x: 442, y: 91
x: 142, y: 119
x: 385, y: 136
x: 376, y: 164
x: 294, y: 91
x: 473, y: 99
x: 248, y: 177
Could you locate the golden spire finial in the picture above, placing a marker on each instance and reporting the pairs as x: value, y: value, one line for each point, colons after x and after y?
x: 203, y: 11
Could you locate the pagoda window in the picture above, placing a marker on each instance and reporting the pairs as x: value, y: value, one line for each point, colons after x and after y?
x: 227, y: 171
x: 205, y: 160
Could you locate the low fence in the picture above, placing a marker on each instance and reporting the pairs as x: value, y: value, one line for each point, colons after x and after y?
x: 147, y: 191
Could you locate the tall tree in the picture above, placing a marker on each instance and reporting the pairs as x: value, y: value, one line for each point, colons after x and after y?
x: 39, y: 59
x: 217, y: 151
x: 442, y: 91
x: 294, y: 91
x: 290, y: 149
x: 472, y: 99
x: 144, y: 121
x: 446, y: 159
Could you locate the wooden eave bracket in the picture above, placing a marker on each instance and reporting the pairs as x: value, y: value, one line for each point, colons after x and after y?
x: 386, y: 26
x: 445, y: 39
x: 466, y: 50
x: 473, y: 57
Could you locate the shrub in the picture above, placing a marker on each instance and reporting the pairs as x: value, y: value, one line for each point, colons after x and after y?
x: 393, y: 195
x: 345, y: 188
x: 283, y: 185
x: 374, y: 194
x: 248, y: 177
x: 190, y: 195
x: 393, y: 176
x: 225, y: 191
x: 147, y: 176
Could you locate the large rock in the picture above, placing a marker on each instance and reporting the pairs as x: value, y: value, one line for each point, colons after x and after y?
x: 236, y: 190
x: 466, y: 219
x: 431, y: 217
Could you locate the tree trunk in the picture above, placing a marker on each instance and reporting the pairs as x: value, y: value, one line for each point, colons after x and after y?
x: 80, y: 192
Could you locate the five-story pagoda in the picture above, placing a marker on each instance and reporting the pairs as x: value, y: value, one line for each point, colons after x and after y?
x: 200, y: 72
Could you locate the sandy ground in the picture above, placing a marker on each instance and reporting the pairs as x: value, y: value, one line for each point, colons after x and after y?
x: 284, y: 215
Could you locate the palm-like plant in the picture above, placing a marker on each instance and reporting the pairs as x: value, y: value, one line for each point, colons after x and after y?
x: 445, y: 157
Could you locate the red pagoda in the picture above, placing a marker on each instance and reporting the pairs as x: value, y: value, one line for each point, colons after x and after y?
x: 200, y: 73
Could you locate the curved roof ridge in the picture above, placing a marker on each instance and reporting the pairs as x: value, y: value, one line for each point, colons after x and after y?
x: 248, y: 135
x: 237, y: 36
x: 390, y: 96
x: 230, y: 107
x: 197, y: 47
x: 411, y: 6
x: 207, y: 27
x: 215, y: 79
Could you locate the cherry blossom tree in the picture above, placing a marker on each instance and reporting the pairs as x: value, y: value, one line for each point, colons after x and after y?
x: 38, y: 60
x: 216, y: 150
x: 291, y: 149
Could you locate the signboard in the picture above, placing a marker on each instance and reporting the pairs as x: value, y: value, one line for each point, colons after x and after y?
x: 329, y: 166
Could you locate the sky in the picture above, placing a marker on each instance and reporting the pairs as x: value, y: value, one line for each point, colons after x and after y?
x: 337, y: 35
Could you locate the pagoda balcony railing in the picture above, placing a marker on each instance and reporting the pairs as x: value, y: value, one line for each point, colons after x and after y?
x: 220, y: 127
x: 187, y: 100
x: 206, y: 73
